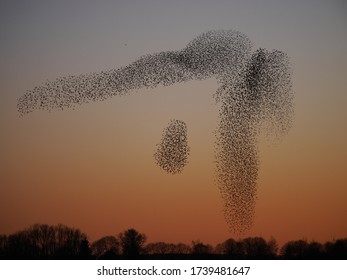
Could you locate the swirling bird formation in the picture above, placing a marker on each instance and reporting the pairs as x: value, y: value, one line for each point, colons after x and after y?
x: 255, y: 92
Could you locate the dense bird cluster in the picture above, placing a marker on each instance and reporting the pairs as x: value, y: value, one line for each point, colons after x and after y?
x: 260, y: 96
x: 214, y: 53
x: 254, y: 92
x: 173, y: 150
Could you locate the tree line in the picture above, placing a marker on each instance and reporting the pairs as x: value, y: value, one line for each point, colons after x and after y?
x: 41, y: 241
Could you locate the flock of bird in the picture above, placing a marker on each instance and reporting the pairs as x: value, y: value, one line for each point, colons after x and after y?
x: 173, y: 150
x: 254, y: 92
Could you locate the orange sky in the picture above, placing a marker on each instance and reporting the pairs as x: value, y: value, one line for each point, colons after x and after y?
x: 93, y: 167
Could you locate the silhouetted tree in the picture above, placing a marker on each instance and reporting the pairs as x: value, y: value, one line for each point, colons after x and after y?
x: 248, y: 248
x: 199, y: 248
x: 44, y: 238
x: 46, y: 242
x: 3, y: 246
x: 21, y: 246
x: 132, y: 242
x: 85, y: 252
x: 256, y: 248
x: 314, y: 251
x: 159, y: 248
x: 107, y: 244
x: 273, y: 245
x: 327, y: 247
x: 42, y: 241
x: 337, y: 249
x: 294, y: 249
x: 162, y: 248
x: 69, y: 242
x: 218, y: 249
x: 229, y: 247
x: 182, y: 249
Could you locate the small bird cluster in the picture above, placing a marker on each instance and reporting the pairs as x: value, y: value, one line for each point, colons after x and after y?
x: 173, y: 150
x: 254, y: 92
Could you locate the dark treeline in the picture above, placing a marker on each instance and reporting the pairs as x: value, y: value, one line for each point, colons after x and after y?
x: 61, y: 242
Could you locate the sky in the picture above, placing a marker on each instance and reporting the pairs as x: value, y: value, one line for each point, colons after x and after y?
x: 93, y: 168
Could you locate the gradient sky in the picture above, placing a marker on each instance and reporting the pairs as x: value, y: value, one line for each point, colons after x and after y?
x: 93, y: 167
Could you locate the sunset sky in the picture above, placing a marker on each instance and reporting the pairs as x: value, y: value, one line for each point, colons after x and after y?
x: 93, y: 167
